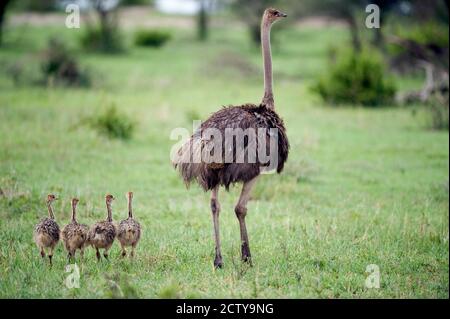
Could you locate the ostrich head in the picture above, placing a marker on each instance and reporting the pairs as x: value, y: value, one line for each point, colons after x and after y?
x: 130, y: 195
x: 51, y: 198
x: 75, y: 201
x: 273, y: 15
x: 109, y: 198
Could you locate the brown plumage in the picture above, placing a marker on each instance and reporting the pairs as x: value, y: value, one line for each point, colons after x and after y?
x: 213, y: 160
x: 46, y: 233
x: 102, y: 234
x: 248, y: 116
x: 74, y: 235
x: 129, y: 231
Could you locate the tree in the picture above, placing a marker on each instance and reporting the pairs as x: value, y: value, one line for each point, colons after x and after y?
x: 103, y: 9
x: 386, y: 6
x: 105, y: 37
x: 203, y: 20
x: 342, y: 9
x: 3, y: 6
x: 251, y: 11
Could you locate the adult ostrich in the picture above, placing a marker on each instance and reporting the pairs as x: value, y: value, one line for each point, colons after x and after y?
x: 213, y: 171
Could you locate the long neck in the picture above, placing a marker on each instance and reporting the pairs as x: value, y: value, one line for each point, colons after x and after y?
x: 108, y: 208
x: 50, y: 210
x: 268, y: 100
x: 74, y: 207
x: 130, y: 209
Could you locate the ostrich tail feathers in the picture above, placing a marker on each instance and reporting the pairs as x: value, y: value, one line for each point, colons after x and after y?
x: 187, y: 160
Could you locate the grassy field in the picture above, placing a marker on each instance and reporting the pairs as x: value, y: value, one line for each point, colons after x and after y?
x: 361, y: 186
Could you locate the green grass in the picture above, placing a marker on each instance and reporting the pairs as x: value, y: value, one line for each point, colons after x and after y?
x: 361, y: 186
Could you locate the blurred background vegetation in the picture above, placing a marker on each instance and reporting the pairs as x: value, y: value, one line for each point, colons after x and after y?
x: 88, y: 111
x: 368, y: 69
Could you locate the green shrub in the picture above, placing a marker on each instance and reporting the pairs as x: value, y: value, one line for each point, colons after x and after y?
x: 425, y: 33
x: 136, y: 2
x: 424, y: 41
x: 15, y: 71
x: 438, y: 111
x: 113, y: 124
x: 356, y: 78
x: 59, y: 66
x: 34, y: 5
x: 108, y: 40
x: 151, y: 38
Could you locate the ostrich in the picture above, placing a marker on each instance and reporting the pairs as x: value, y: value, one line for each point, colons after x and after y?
x: 74, y: 235
x: 129, y: 231
x: 219, y: 172
x: 46, y: 233
x: 102, y: 234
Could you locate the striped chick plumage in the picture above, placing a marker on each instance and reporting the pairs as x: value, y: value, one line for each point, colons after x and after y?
x: 46, y: 233
x: 74, y: 235
x: 129, y: 232
x: 102, y: 234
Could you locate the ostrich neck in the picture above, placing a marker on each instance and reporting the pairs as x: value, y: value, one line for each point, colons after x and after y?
x: 130, y: 209
x: 74, y: 207
x: 108, y: 208
x: 50, y: 211
x: 267, y: 57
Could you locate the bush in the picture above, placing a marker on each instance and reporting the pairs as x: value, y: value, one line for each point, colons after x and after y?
x: 439, y: 113
x: 33, y: 5
x: 423, y: 41
x: 429, y: 33
x: 113, y: 124
x: 107, y: 40
x: 58, y: 66
x: 151, y: 38
x: 356, y: 78
x: 15, y: 71
x: 136, y: 2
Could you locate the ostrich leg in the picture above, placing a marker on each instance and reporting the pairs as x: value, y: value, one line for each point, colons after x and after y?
x: 241, y: 212
x: 124, y: 252
x: 215, y: 209
x: 50, y: 255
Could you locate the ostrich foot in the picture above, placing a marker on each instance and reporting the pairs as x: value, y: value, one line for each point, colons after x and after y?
x: 246, y: 256
x: 218, y: 263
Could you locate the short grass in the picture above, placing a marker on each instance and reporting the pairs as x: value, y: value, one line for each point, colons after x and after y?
x: 361, y: 186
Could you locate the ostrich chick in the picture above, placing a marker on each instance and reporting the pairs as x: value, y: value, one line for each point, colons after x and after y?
x: 129, y: 231
x: 74, y: 235
x: 46, y: 233
x: 102, y: 234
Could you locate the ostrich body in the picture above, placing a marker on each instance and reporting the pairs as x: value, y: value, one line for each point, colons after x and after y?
x: 210, y: 175
x: 129, y: 231
x: 102, y: 234
x: 74, y: 235
x: 46, y: 233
